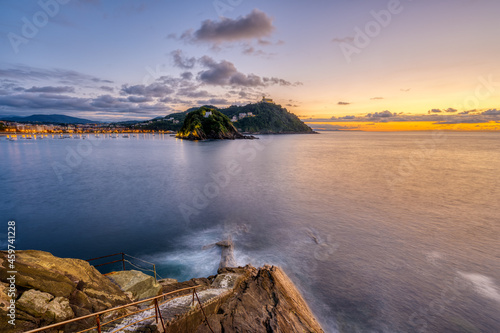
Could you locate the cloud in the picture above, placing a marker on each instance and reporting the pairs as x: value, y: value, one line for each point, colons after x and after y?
x: 181, y: 61
x: 280, y: 82
x: 450, y: 110
x: 254, y: 25
x: 343, y: 103
x: 461, y: 121
x: 27, y: 73
x: 224, y: 73
x: 383, y: 114
x: 194, y: 93
x: 108, y: 89
x: 49, y: 89
x: 44, y: 101
x: 347, y: 117
x: 406, y: 90
x: 152, y: 90
x: 375, y: 98
x: 434, y: 111
x: 492, y: 112
x: 330, y: 127
x: 250, y: 50
x: 139, y: 99
x: 187, y: 76
x: 214, y: 101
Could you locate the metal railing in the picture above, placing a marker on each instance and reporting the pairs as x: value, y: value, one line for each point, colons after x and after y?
x: 123, y: 260
x: 158, y: 317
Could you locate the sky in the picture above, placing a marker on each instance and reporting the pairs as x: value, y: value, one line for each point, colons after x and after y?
x: 337, y: 64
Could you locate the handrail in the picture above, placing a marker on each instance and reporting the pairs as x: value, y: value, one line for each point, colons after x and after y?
x: 123, y: 260
x: 97, y: 314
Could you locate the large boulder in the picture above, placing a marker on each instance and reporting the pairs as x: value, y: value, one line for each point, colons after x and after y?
x: 34, y: 302
x: 52, y: 289
x: 43, y: 305
x: 140, y: 285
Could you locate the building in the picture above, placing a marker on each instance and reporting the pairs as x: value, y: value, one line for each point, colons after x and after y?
x: 234, y: 119
x: 267, y: 100
x: 208, y: 113
x: 242, y: 115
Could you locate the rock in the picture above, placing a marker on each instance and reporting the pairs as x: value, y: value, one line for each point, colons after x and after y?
x: 141, y: 285
x: 34, y: 302
x: 38, y: 304
x: 265, y: 300
x: 209, y: 124
x: 53, y: 289
x: 227, y: 280
x: 58, y: 310
x: 4, y: 297
x: 166, y: 282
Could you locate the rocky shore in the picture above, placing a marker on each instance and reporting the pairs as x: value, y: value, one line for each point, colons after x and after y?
x: 243, y: 299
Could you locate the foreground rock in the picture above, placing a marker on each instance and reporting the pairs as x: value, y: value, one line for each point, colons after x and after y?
x: 244, y: 299
x: 139, y: 285
x: 265, y: 301
x: 261, y: 300
x: 52, y: 289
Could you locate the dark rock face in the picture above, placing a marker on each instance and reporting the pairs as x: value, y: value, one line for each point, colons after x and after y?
x: 265, y: 301
x: 52, y: 289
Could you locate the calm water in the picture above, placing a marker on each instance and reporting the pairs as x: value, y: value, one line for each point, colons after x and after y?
x: 382, y: 232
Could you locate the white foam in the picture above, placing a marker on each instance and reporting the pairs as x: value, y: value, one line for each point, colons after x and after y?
x: 483, y: 285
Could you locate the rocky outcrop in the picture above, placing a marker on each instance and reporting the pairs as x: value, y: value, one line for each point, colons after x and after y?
x: 265, y: 301
x: 209, y: 124
x: 261, y: 300
x: 139, y: 285
x: 52, y: 289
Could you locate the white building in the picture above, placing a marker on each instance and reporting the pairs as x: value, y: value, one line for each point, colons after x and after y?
x: 234, y: 119
x: 208, y: 113
x: 242, y: 115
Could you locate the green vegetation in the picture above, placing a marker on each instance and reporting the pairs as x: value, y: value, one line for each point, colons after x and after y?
x: 266, y: 118
x: 207, y: 123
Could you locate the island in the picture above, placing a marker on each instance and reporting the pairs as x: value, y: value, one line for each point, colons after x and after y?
x: 264, y: 117
x: 209, y: 124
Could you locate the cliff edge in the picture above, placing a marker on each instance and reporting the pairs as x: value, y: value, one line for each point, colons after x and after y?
x: 265, y: 300
x: 243, y: 299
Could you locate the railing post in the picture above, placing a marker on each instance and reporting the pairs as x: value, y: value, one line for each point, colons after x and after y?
x: 98, y: 324
x: 192, y: 301
x: 123, y: 260
x: 154, y: 269
x: 158, y: 313
x: 202, y: 311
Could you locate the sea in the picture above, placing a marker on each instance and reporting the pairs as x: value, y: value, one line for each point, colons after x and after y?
x: 381, y: 232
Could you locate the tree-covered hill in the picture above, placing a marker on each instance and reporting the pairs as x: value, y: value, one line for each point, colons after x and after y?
x: 266, y: 118
x: 263, y: 118
x: 206, y: 123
